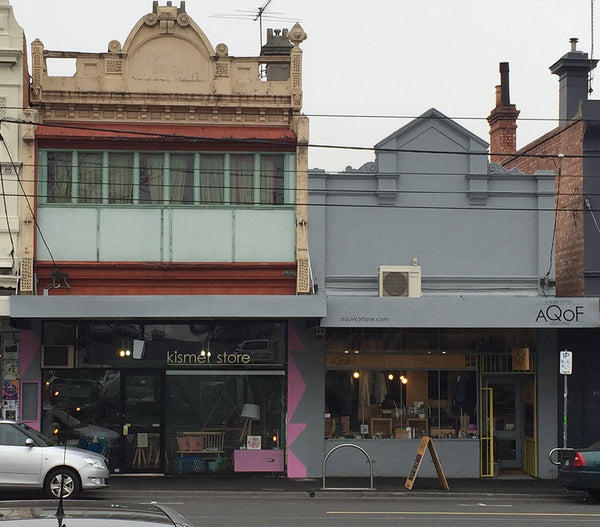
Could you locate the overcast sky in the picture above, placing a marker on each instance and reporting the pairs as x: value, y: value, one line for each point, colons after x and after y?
x: 370, y: 58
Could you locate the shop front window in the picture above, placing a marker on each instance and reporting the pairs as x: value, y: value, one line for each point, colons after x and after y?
x: 209, y: 417
x: 82, y: 408
x: 400, y: 403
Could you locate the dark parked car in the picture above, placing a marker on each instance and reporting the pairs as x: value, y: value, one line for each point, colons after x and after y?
x: 87, y: 513
x: 579, y: 469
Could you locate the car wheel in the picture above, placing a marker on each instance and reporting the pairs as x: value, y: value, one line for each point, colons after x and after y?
x: 64, y: 477
x: 594, y: 493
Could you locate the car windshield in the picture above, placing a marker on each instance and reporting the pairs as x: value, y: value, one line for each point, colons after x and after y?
x: 38, y: 436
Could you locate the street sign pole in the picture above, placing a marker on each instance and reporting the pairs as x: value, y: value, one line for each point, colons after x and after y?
x: 566, y: 368
x: 565, y: 398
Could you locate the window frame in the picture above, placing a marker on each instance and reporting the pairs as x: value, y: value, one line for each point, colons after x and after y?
x: 288, y: 188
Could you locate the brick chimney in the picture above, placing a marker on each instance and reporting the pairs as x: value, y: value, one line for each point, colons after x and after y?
x: 573, y: 71
x: 503, y: 120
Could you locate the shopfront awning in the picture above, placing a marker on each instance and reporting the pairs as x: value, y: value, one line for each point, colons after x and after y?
x: 462, y: 312
x: 166, y: 307
x: 387, y: 312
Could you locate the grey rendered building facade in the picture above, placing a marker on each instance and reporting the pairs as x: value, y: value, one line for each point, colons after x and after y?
x: 474, y: 331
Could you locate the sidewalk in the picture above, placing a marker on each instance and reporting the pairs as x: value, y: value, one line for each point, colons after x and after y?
x: 280, y: 484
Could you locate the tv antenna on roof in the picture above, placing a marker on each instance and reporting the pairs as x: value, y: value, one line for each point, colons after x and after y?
x: 258, y: 14
x: 259, y: 17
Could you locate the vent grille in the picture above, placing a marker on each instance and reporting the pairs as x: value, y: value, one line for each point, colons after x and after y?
x: 303, y: 278
x: 395, y: 284
x: 26, y: 284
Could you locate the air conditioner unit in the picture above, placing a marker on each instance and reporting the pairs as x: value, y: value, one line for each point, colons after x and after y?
x: 400, y: 280
x: 58, y: 356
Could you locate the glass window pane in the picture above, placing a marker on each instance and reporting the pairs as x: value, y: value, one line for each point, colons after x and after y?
x: 242, y: 179
x: 57, y: 332
x: 181, y: 178
x: 151, y: 178
x: 11, y: 436
x: 206, y: 421
x: 83, y: 405
x: 271, y: 180
x: 29, y: 400
x: 90, y: 178
x: 211, y: 179
x: 59, y: 175
x: 120, y: 178
x: 396, y: 403
x: 504, y: 406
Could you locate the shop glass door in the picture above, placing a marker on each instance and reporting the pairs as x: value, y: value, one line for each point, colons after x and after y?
x: 508, y: 422
x: 142, y: 441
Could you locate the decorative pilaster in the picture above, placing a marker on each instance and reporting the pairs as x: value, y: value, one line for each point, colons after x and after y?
x: 296, y: 36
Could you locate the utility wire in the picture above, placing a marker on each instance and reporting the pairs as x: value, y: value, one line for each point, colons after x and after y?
x: 8, y: 228
x: 28, y: 202
x: 311, y: 171
x: 285, y: 143
x: 377, y: 116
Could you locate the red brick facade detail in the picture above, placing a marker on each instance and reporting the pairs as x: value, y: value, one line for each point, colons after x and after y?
x: 568, y: 141
x: 503, y: 131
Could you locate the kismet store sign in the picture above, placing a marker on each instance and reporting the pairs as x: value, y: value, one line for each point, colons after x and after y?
x: 463, y: 312
x: 220, y: 359
x: 246, y: 353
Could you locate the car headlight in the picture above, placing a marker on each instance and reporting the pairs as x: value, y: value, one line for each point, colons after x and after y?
x: 97, y: 463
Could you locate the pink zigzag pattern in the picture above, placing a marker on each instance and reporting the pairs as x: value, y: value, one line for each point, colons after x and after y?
x: 296, y: 389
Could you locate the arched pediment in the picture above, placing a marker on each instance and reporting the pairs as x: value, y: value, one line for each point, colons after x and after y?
x: 167, y: 45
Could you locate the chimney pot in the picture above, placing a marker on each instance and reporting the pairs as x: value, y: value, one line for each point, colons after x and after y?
x: 573, y: 71
x: 503, y: 120
x: 573, y: 42
x: 504, y: 83
x: 498, y: 95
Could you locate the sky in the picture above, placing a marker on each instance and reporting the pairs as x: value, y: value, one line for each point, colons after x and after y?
x: 371, y: 66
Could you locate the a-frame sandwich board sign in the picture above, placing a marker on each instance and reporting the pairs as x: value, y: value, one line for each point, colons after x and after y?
x: 426, y: 443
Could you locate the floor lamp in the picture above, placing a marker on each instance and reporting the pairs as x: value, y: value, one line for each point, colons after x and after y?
x: 250, y: 412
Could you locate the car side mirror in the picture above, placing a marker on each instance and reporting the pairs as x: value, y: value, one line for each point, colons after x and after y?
x: 29, y: 442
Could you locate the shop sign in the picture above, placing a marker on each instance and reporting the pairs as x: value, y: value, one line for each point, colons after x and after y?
x: 520, y: 359
x: 220, y: 359
x: 247, y: 352
x: 559, y: 315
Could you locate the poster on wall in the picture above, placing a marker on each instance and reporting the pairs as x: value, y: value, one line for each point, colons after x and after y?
x: 12, y: 404
x: 11, y: 369
x: 9, y: 414
x: 10, y: 390
x: 11, y: 351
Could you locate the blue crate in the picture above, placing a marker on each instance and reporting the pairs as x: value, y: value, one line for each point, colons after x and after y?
x: 190, y: 464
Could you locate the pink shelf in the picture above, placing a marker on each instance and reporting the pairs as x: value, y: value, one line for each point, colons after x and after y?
x: 258, y: 461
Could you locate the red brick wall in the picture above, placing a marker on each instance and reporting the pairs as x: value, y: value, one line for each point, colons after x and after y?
x: 503, y: 131
x: 568, y: 250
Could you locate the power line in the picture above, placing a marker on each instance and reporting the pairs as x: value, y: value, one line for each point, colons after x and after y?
x: 285, y: 143
x: 24, y: 194
x: 94, y: 202
x: 381, y: 116
x: 8, y: 228
x: 311, y: 171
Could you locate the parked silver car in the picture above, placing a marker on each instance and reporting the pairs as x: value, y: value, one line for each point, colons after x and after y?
x: 30, y: 459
